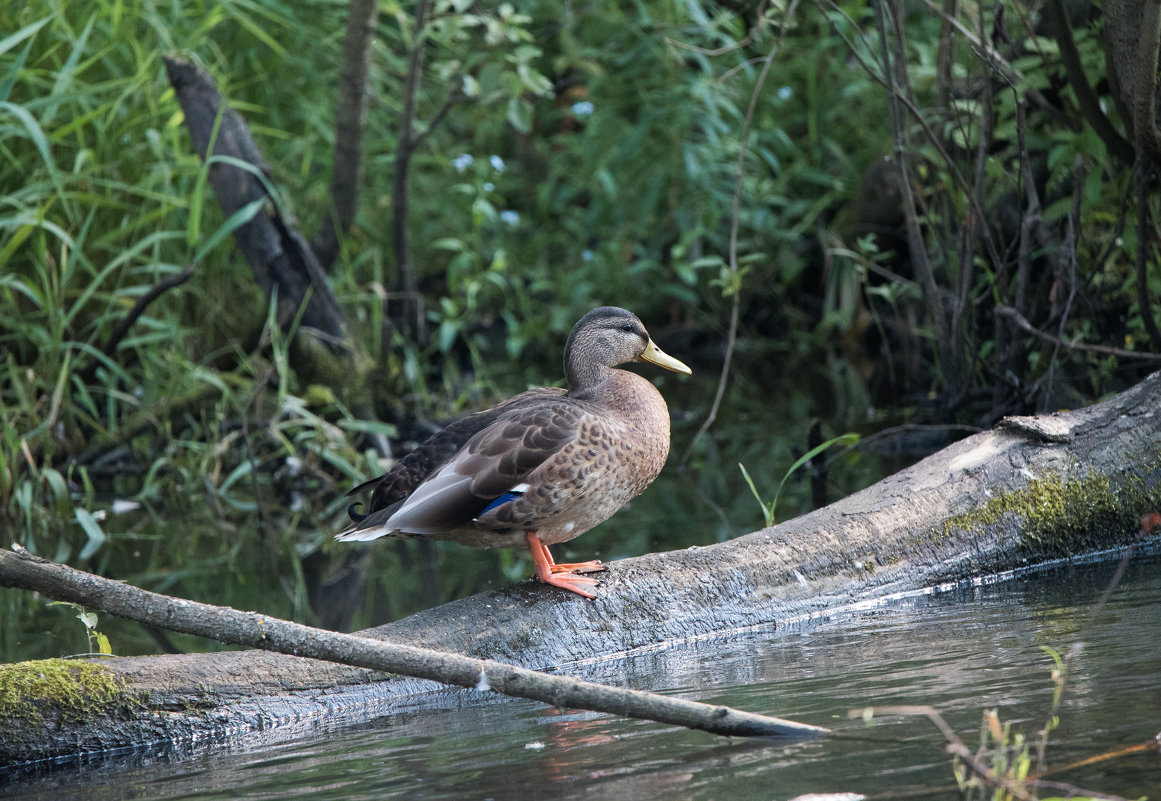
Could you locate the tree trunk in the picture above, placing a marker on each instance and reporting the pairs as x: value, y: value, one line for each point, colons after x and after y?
x: 1033, y: 489
x: 350, y: 122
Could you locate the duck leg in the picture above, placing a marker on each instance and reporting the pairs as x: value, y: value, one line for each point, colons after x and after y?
x: 562, y: 575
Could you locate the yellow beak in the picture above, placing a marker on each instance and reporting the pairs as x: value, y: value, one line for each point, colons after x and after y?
x: 655, y: 355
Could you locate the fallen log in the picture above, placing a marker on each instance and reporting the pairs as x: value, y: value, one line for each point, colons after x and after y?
x: 19, y: 568
x: 1033, y: 489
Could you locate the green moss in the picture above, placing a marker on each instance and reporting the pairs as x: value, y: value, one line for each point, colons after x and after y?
x: 32, y: 691
x: 1058, y: 513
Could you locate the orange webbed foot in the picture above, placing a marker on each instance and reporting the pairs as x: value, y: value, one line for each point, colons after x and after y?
x: 562, y: 575
x: 594, y: 566
x: 571, y: 582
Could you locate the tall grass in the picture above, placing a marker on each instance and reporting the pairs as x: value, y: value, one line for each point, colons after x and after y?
x: 99, y: 205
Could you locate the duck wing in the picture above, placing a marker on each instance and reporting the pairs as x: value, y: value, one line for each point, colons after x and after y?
x: 437, y: 450
x: 390, y: 490
x: 499, y: 460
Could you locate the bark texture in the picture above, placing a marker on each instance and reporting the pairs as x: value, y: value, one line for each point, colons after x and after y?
x: 1132, y: 38
x: 279, y: 257
x: 1032, y: 489
x: 350, y: 123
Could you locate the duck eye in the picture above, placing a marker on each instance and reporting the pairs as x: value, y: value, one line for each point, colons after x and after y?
x: 627, y: 327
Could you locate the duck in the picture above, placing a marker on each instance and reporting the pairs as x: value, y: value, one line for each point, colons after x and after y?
x: 542, y: 467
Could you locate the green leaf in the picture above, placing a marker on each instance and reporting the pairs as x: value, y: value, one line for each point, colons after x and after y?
x: 36, y: 134
x: 9, y: 42
x: 520, y: 114
x: 236, y: 221
x: 96, y: 536
x: 842, y: 439
x: 767, y: 511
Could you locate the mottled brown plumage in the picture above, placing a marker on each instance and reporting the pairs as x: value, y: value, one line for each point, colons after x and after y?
x: 542, y: 467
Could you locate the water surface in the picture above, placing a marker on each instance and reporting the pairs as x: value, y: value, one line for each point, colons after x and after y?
x: 962, y: 650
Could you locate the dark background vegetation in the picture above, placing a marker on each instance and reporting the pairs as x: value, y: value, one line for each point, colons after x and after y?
x: 911, y: 217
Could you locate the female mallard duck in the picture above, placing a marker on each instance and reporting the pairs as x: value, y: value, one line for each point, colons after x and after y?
x: 542, y: 467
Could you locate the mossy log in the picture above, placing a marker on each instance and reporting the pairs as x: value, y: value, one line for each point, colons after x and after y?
x: 1031, y: 490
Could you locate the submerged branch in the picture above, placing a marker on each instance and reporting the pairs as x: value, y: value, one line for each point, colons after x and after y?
x: 20, y: 569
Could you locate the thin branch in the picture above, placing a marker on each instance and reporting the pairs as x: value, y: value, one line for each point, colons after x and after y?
x: 350, y: 122
x: 1145, y: 88
x: 994, y: 59
x: 20, y: 569
x: 1086, y: 98
x: 452, y: 100
x: 932, y: 139
x: 721, y: 51
x: 735, y: 225
x: 1068, y: 256
x: 1021, y: 323
x: 915, y: 243
x: 1029, y: 240
x: 406, y: 282
x: 156, y: 291
x: 954, y: 745
x: 1144, y: 245
x: 974, y: 226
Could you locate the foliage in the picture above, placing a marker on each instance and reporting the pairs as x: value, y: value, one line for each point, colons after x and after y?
x: 1007, y: 765
x: 98, y: 641
x: 768, y: 509
x: 564, y: 156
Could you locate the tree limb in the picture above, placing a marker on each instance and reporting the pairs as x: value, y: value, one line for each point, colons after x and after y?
x: 412, y: 306
x: 916, y: 246
x: 350, y: 121
x: 19, y: 568
x: 1145, y: 246
x: 1090, y: 105
x: 1023, y: 324
x: 1145, y: 87
x: 279, y: 257
x: 156, y: 291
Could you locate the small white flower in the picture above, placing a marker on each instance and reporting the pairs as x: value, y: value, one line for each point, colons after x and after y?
x: 785, y: 93
x: 586, y: 255
x: 497, y: 163
x: 582, y: 108
x: 510, y: 217
x: 489, y: 186
x: 462, y: 161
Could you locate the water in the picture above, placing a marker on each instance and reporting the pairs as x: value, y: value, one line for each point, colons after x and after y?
x: 962, y: 651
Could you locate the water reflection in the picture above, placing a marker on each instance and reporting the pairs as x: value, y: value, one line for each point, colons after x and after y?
x: 961, y: 651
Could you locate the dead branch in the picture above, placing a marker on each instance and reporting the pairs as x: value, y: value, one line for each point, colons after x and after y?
x: 156, y: 291
x: 20, y: 569
x: 1023, y: 324
x: 279, y: 257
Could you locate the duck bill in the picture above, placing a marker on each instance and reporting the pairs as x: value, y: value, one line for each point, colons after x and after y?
x: 655, y: 355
